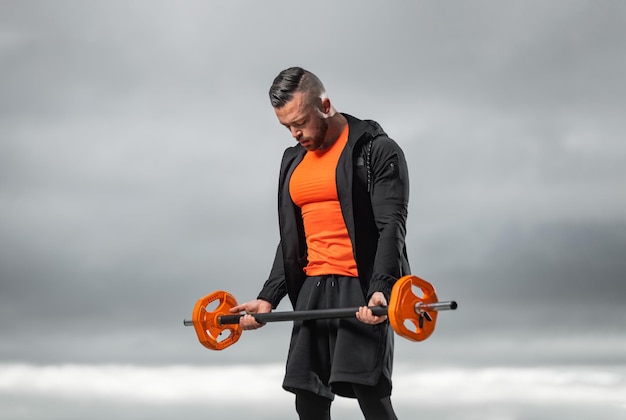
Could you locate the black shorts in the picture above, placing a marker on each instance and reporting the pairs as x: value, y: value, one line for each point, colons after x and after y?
x: 327, y: 356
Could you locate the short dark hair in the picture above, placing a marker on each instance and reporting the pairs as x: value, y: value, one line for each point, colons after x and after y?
x: 292, y: 80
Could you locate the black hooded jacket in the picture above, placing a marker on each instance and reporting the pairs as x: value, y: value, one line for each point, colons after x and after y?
x: 373, y: 191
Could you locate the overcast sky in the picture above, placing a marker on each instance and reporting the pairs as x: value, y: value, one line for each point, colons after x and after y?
x: 138, y: 168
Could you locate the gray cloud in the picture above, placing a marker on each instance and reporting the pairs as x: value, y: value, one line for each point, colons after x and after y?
x: 138, y: 163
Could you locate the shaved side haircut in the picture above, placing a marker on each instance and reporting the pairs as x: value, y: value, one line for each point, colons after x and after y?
x: 292, y: 80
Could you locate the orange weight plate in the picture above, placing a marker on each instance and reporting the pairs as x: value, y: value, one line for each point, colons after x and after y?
x: 210, y: 332
x: 407, y: 294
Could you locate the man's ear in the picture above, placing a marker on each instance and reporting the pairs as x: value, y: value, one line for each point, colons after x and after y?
x: 326, y: 107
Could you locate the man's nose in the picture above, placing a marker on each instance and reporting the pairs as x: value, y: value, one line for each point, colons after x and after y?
x: 296, y: 133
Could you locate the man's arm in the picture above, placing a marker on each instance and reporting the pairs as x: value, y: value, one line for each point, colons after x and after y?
x: 275, y: 287
x: 390, y: 197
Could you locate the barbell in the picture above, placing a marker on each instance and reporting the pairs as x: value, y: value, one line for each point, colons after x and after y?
x: 412, y: 313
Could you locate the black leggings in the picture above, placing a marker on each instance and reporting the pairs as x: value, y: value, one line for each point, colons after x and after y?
x: 374, y: 405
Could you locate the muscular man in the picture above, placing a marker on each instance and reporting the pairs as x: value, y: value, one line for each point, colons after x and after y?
x: 343, y: 198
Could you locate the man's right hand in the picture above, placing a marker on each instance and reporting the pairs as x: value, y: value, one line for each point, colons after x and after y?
x: 247, y: 321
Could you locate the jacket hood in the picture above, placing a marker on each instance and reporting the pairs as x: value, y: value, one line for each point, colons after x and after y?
x: 358, y: 128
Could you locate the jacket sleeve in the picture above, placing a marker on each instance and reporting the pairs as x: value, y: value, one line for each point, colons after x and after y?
x: 389, y: 196
x: 275, y: 287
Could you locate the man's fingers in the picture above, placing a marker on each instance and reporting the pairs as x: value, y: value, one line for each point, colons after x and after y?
x: 236, y: 309
x: 366, y: 316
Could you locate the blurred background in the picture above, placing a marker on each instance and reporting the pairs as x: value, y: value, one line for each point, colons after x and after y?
x: 139, y: 158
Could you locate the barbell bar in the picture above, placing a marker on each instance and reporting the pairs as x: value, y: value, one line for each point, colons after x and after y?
x: 411, y: 315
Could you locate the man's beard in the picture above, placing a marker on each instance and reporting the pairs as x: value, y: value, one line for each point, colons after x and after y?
x: 317, y: 140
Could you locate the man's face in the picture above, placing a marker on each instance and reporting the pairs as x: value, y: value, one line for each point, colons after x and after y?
x: 305, y: 122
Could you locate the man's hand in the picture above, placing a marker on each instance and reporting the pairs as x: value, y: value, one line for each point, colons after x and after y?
x: 365, y: 314
x: 259, y: 306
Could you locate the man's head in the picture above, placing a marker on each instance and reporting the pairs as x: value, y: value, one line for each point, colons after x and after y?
x: 292, y: 80
x: 300, y: 103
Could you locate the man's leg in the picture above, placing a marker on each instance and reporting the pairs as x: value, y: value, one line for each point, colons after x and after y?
x: 375, y: 401
x: 311, y: 406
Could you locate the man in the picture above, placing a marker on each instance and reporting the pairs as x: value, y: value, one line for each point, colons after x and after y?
x: 343, y: 198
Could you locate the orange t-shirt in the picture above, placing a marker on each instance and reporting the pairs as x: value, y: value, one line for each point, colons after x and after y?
x: 313, y: 187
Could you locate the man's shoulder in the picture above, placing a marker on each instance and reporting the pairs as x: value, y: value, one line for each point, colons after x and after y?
x: 373, y: 130
x: 364, y: 128
x: 365, y: 125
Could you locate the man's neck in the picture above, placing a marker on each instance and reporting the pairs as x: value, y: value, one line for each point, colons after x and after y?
x: 336, y: 124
